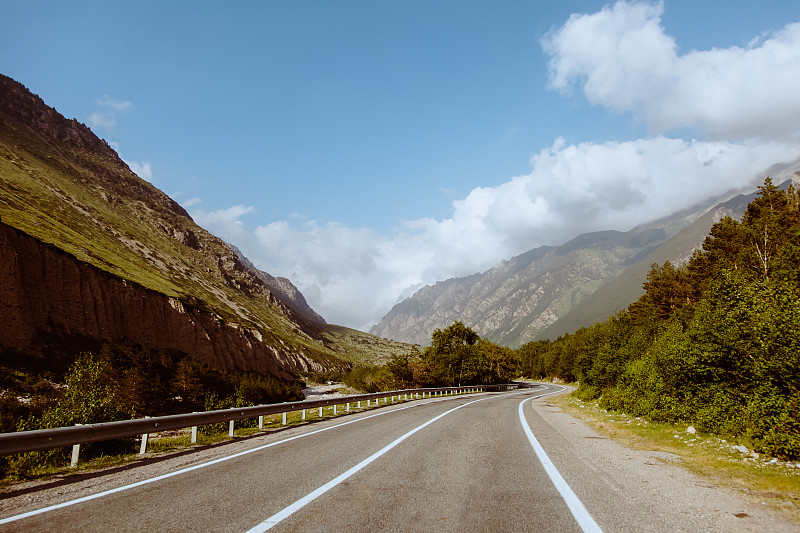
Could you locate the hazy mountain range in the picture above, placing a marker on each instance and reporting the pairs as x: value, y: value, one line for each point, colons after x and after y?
x: 552, y: 290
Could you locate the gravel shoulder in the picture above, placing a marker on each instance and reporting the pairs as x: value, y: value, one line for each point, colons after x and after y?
x: 656, y: 489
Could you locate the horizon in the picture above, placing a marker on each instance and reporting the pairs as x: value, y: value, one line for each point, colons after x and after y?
x: 366, y: 151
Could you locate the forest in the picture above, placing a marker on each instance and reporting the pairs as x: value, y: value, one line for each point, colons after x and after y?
x: 713, y: 342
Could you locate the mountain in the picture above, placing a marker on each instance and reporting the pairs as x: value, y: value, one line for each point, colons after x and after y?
x: 91, y: 253
x: 283, y: 288
x: 552, y: 290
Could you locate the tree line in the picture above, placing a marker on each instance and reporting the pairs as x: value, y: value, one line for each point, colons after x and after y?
x: 714, y: 342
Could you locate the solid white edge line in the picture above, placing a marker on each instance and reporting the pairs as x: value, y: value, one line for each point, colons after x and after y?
x: 90, y: 497
x: 305, y: 500
x: 579, y: 512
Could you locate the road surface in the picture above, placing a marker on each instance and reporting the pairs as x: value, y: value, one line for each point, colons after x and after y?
x: 481, y: 462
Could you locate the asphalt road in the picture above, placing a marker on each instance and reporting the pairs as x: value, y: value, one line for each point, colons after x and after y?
x: 481, y: 462
x: 452, y: 464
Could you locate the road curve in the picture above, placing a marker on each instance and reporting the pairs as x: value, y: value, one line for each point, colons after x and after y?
x: 461, y: 463
x: 464, y: 463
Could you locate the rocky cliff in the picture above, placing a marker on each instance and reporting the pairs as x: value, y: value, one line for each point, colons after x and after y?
x: 53, y: 302
x: 93, y: 252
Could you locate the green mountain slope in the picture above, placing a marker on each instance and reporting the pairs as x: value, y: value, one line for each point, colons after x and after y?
x: 65, y: 187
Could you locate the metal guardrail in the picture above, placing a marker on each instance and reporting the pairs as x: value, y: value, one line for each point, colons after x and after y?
x: 47, y: 439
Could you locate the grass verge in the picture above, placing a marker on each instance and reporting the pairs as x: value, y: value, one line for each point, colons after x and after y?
x: 759, y: 478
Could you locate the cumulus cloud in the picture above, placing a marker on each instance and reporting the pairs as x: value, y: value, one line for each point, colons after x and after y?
x: 740, y: 101
x: 623, y: 59
x: 105, y: 116
x: 353, y: 276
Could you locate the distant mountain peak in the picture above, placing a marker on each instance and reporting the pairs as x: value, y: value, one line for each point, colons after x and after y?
x: 551, y: 290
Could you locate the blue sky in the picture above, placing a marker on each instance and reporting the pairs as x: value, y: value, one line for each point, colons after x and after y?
x: 364, y: 149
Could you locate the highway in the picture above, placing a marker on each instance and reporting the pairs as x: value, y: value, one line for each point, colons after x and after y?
x: 464, y: 463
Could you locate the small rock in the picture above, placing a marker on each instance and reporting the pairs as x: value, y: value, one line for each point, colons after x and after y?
x: 690, y: 430
x: 740, y: 449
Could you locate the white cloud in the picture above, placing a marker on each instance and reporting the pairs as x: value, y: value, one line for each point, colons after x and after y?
x: 142, y: 169
x: 102, y: 119
x: 105, y: 117
x: 114, y: 105
x: 191, y: 202
x: 623, y: 59
x: 225, y: 223
x: 353, y: 276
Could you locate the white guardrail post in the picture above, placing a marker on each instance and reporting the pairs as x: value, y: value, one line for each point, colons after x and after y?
x: 74, y: 436
x: 143, y: 447
x: 76, y: 451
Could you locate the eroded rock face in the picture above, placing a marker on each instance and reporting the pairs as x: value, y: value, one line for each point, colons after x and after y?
x: 51, y: 300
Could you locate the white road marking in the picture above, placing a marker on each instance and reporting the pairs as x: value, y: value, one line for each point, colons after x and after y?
x: 308, y: 498
x: 69, y: 503
x: 582, y: 516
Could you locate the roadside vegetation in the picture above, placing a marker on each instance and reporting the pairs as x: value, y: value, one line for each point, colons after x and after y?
x: 122, y: 381
x: 714, y: 343
x: 726, y: 462
x: 457, y: 356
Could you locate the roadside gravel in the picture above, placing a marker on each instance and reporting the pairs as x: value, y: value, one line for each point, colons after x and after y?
x: 658, y: 493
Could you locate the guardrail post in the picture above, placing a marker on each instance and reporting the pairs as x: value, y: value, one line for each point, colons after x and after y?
x: 143, y: 447
x: 76, y: 451
x: 230, y: 428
